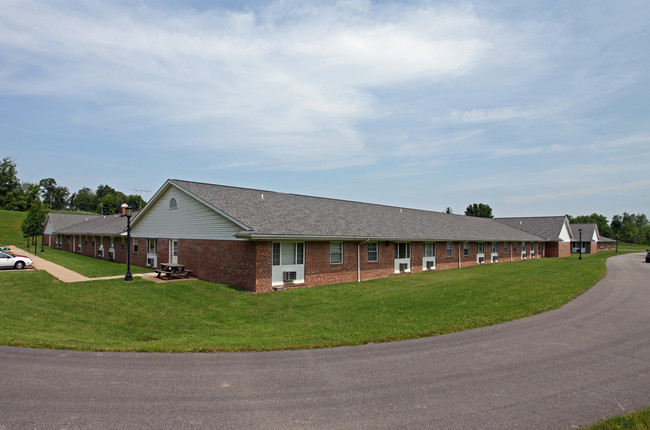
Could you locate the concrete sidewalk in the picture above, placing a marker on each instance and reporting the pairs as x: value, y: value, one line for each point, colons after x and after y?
x: 62, y: 273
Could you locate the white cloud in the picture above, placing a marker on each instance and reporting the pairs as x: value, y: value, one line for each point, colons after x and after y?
x: 285, y: 79
x: 491, y: 115
x: 638, y: 142
x: 567, y: 194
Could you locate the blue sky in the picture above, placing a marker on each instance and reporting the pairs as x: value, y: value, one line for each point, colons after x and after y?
x: 535, y: 108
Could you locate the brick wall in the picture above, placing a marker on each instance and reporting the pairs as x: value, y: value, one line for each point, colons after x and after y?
x: 223, y: 261
x: 248, y: 265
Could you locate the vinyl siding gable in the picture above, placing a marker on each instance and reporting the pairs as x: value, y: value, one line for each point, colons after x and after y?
x: 565, y: 236
x: 191, y: 219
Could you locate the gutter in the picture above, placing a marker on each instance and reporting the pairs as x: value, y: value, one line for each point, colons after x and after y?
x: 359, y: 259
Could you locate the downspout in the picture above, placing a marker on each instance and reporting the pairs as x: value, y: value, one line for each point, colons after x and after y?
x: 359, y: 259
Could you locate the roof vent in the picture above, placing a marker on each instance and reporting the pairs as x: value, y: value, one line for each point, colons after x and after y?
x: 262, y: 196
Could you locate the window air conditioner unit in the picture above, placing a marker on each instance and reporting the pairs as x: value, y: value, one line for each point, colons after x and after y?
x: 289, y: 276
x: 111, y: 254
x: 430, y: 265
x: 150, y: 261
x: 403, y: 267
x: 481, y: 260
x: 79, y: 248
x: 495, y: 259
x: 100, y: 252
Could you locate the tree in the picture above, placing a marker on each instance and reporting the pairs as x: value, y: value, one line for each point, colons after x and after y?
x: 449, y: 210
x: 9, y: 183
x: 103, y: 190
x: 60, y: 197
x: 480, y: 210
x: 631, y: 228
x: 47, y: 186
x: 84, y: 200
x: 32, y: 224
x: 108, y: 205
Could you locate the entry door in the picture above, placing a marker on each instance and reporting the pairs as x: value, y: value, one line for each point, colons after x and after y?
x: 173, y: 251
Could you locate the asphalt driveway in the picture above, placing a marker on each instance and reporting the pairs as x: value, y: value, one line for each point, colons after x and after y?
x: 557, y: 370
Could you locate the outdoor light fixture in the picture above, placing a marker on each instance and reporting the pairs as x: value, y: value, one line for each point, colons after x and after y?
x: 580, y: 249
x: 42, y: 236
x: 127, y: 211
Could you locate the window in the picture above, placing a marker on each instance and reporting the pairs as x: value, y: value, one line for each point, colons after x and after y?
x: 450, y: 249
x: 523, y: 246
x: 505, y: 247
x: 289, y: 253
x: 466, y: 249
x: 430, y: 249
x: 336, y: 252
x: 481, y: 248
x: 373, y: 251
x: 152, y: 246
x: 173, y: 204
x: 514, y: 247
x: 494, y: 248
x: 276, y: 254
x: 135, y: 245
x: 402, y: 250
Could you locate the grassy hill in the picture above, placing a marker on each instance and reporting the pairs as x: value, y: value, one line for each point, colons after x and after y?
x: 10, y: 232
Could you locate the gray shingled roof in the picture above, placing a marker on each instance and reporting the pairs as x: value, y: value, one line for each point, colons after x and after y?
x: 548, y: 227
x: 108, y: 225
x: 587, y: 231
x: 272, y: 214
x: 62, y: 220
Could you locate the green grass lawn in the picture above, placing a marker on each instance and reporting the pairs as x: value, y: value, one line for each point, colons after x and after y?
x: 639, y: 420
x: 37, y: 310
x: 88, y: 266
x: 10, y: 232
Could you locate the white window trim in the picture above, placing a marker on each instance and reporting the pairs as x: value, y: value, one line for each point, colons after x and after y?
x: 341, y: 252
x: 376, y: 252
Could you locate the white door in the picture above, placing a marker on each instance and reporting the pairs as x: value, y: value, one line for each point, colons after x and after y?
x: 173, y: 251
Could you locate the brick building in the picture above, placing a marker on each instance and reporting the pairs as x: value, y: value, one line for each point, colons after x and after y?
x: 262, y: 240
x: 555, y: 230
x: 592, y: 241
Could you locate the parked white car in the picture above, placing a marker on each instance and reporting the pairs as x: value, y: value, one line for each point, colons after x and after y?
x: 8, y: 260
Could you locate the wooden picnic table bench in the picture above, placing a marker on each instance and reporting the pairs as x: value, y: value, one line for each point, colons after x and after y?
x: 172, y: 270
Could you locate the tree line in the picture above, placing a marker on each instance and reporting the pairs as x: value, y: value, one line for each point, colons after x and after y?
x: 630, y: 228
x: 21, y: 196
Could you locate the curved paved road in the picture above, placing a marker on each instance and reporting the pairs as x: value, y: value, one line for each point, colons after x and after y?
x: 560, y: 369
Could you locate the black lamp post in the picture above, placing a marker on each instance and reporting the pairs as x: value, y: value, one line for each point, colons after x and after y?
x: 42, y: 236
x: 617, y: 243
x: 127, y: 211
x: 580, y: 249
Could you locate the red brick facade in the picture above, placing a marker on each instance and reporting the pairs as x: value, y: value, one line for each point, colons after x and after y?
x: 248, y: 264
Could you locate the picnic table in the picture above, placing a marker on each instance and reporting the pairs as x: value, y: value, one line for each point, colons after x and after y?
x: 173, y: 270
